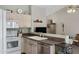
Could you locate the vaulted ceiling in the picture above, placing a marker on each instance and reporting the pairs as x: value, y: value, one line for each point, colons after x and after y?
x: 50, y: 9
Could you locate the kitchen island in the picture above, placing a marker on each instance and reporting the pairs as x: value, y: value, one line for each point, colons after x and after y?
x: 41, y: 46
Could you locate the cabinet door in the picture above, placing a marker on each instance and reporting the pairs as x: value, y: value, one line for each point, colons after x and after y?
x: 12, y: 17
x: 20, y: 19
x: 27, y: 20
x: 28, y: 46
x: 31, y: 47
x: 24, y: 20
x: 39, y: 48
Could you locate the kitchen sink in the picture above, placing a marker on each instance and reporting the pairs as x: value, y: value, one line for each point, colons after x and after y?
x: 37, y: 38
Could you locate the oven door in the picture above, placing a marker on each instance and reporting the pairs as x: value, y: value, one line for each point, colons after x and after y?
x: 13, y: 45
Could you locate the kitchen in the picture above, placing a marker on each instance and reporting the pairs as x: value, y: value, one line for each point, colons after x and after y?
x: 29, y: 31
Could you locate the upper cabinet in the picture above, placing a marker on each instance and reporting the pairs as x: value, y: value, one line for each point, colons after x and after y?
x: 24, y: 20
x: 21, y: 19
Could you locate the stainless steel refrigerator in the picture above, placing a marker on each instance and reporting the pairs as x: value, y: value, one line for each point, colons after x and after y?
x: 51, y: 28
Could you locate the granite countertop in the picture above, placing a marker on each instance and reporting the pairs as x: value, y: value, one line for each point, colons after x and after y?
x: 50, y: 35
x: 48, y: 41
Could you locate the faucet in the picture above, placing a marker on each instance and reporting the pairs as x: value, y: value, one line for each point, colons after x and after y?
x: 41, y: 35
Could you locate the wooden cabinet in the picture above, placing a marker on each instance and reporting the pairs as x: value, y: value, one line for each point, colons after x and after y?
x: 22, y: 20
x: 31, y: 47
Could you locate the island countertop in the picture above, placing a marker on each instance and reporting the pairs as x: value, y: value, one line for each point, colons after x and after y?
x: 46, y: 41
x: 51, y: 42
x: 50, y: 35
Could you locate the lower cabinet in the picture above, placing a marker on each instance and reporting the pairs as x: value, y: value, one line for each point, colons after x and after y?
x: 31, y: 47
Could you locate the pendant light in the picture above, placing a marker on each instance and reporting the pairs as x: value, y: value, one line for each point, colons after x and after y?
x: 71, y: 9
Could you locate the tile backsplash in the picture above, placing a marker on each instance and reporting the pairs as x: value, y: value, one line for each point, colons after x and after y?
x: 26, y: 30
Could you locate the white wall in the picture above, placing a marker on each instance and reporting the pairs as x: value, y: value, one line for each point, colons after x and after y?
x: 71, y: 22
x: 41, y: 11
x: 51, y: 9
x: 38, y: 13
